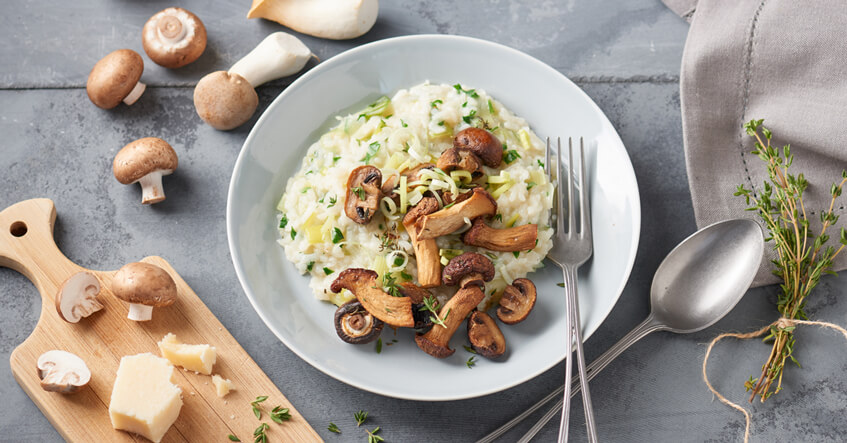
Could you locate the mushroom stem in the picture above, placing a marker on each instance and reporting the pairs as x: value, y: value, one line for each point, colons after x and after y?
x: 139, y: 312
x: 151, y: 188
x: 135, y: 94
x: 278, y: 55
x: 170, y: 29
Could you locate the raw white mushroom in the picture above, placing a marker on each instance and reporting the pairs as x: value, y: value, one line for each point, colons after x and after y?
x: 77, y: 298
x: 332, y: 19
x: 278, y: 55
x: 63, y: 372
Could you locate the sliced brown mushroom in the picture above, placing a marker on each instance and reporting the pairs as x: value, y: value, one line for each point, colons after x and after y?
x: 423, y: 319
x: 63, y: 372
x: 437, y: 340
x: 517, y: 301
x: 77, y: 298
x: 426, y: 251
x: 453, y: 159
x: 518, y: 238
x: 450, y: 219
x: 485, y: 336
x: 388, y: 185
x: 414, y: 174
x: 363, y: 194
x: 364, y: 284
x: 355, y: 325
x: 468, y: 269
x: 482, y: 143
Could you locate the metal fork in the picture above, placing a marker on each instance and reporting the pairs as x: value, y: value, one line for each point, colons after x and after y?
x: 572, y: 246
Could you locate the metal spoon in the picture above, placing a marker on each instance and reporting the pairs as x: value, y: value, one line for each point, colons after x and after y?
x: 696, y: 285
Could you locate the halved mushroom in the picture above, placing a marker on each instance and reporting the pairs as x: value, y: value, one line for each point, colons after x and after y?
x: 63, y: 372
x: 364, y: 284
x: 518, y: 238
x: 450, y: 219
x: 482, y: 143
x: 517, y: 301
x: 144, y: 286
x: 453, y: 159
x: 363, y: 194
x: 437, y: 340
x: 485, y: 336
x: 468, y: 269
x: 77, y: 298
x: 426, y: 251
x: 417, y: 294
x: 355, y: 325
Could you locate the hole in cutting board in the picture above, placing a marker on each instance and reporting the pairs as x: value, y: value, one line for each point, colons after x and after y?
x: 18, y: 229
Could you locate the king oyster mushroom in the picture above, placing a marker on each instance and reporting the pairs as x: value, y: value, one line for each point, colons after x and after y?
x: 517, y: 301
x: 355, y: 325
x: 62, y: 372
x: 173, y: 37
x: 114, y: 79
x: 145, y: 161
x: 364, y: 284
x: 485, y: 336
x: 363, y: 194
x: 518, y: 238
x: 331, y: 19
x: 449, y: 220
x: 436, y: 341
x: 77, y: 298
x: 426, y: 251
x: 144, y: 286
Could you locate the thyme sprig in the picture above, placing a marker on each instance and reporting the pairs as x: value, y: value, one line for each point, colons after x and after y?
x: 431, y: 304
x: 360, y: 417
x: 802, y: 256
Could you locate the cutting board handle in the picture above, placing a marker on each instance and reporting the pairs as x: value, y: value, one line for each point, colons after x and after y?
x: 26, y: 232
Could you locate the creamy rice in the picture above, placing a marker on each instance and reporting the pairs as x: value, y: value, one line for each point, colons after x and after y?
x: 415, y: 127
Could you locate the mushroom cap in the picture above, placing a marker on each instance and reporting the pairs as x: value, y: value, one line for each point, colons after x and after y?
x: 142, y: 157
x: 453, y: 158
x: 174, y: 37
x: 368, y: 181
x: 225, y: 100
x: 62, y: 371
x: 517, y: 301
x: 77, y: 298
x: 145, y: 284
x: 485, y: 336
x: 482, y: 143
x: 113, y: 77
x: 467, y: 264
x: 355, y: 325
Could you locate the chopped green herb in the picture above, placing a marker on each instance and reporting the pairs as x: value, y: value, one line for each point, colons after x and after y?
x: 376, y: 108
x: 332, y: 201
x: 435, y: 103
x: 328, y: 271
x: 333, y: 428
x: 403, y: 124
x: 540, y: 163
x: 360, y: 192
x: 337, y: 236
x: 305, y: 189
x: 372, y: 437
x: 293, y: 233
x: 465, y: 104
x: 406, y: 276
x: 470, y: 92
x: 516, y: 253
x: 373, y: 148
x: 280, y: 414
x: 232, y: 438
x: 378, y: 345
x: 449, y: 205
x: 530, y: 185
x: 498, y: 217
x: 561, y: 285
x: 360, y: 417
x: 335, y: 158
x: 322, y: 199
x: 490, y: 107
x: 469, y: 349
x: 283, y: 222
x: 441, y: 123
x: 470, y: 116
x: 471, y: 362
x: 260, y: 433
x: 255, y: 404
x: 491, y: 255
x: 398, y: 261
x: 390, y: 285
x: 406, y: 147
x: 510, y: 156
x: 310, y: 266
x: 431, y: 305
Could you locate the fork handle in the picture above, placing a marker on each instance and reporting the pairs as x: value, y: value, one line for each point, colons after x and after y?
x: 573, y: 301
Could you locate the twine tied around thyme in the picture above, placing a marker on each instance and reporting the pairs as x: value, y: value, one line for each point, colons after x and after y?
x: 780, y: 323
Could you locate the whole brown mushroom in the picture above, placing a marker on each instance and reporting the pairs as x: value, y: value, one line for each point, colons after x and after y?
x: 174, y: 37
x: 115, y: 78
x: 144, y: 286
x: 482, y: 143
x: 145, y: 161
x: 468, y: 269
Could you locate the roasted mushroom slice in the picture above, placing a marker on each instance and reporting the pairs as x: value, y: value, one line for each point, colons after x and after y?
x: 484, y: 335
x: 518, y: 238
x: 482, y: 143
x: 436, y: 341
x: 426, y: 251
x: 394, y: 311
x: 450, y: 219
x: 355, y: 325
x: 468, y: 269
x: 453, y: 159
x: 363, y: 193
x: 517, y: 301
x: 414, y: 174
x: 417, y: 294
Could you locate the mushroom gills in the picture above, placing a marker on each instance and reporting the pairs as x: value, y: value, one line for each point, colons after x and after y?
x: 77, y: 298
x: 517, y: 301
x: 63, y: 372
x: 355, y: 325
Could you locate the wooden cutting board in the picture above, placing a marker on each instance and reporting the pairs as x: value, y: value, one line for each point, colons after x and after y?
x: 27, y: 246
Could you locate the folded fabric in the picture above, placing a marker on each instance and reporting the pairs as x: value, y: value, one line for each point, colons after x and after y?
x: 784, y: 61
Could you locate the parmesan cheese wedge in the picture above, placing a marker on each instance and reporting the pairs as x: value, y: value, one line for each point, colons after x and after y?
x: 222, y: 386
x: 145, y: 399
x: 198, y: 358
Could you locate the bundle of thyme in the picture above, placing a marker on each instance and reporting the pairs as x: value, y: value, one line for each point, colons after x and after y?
x: 802, y: 256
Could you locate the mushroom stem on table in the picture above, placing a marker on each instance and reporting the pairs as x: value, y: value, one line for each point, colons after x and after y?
x: 139, y: 312
x: 135, y: 93
x: 151, y: 188
x: 278, y: 55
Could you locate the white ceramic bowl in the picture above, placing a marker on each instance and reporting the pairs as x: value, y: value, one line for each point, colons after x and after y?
x: 553, y: 106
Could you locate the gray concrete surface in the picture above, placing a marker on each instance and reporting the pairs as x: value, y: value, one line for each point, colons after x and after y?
x: 54, y: 143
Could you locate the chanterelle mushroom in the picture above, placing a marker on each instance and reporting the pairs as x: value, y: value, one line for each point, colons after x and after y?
x: 363, y: 194
x: 332, y: 19
x: 517, y: 301
x: 485, y: 336
x: 467, y: 269
x: 115, y: 78
x: 448, y: 220
x: 482, y: 143
x: 437, y: 340
x: 144, y: 286
x: 225, y: 100
x: 173, y: 37
x: 518, y: 238
x: 77, y: 298
x: 364, y: 284
x: 145, y: 161
x: 63, y: 372
x: 426, y: 251
x: 355, y: 325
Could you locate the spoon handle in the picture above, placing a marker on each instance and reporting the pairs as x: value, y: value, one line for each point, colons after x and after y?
x: 646, y: 327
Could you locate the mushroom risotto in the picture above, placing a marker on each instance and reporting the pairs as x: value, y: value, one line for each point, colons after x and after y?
x: 410, y: 182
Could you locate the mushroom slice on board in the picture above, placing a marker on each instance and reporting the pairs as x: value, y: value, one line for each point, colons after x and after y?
x: 518, y: 238
x: 145, y: 161
x: 227, y: 99
x: 115, y: 78
x: 485, y: 336
x: 482, y: 143
x: 449, y: 220
x: 63, y: 372
x: 468, y: 269
x: 144, y: 286
x: 517, y: 301
x: 363, y: 194
x: 426, y: 251
x: 355, y: 325
x: 77, y: 298
x: 394, y: 311
x: 331, y: 19
x: 173, y: 37
x: 437, y: 340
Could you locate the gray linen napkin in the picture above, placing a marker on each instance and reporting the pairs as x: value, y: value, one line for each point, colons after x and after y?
x: 784, y: 61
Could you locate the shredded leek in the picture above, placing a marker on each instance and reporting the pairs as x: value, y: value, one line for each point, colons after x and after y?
x: 379, y: 266
x: 460, y: 175
x: 524, y: 138
x: 389, y: 208
x: 511, y: 222
x: 502, y: 189
x: 504, y: 177
x: 376, y: 108
x: 404, y: 196
x: 342, y: 297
